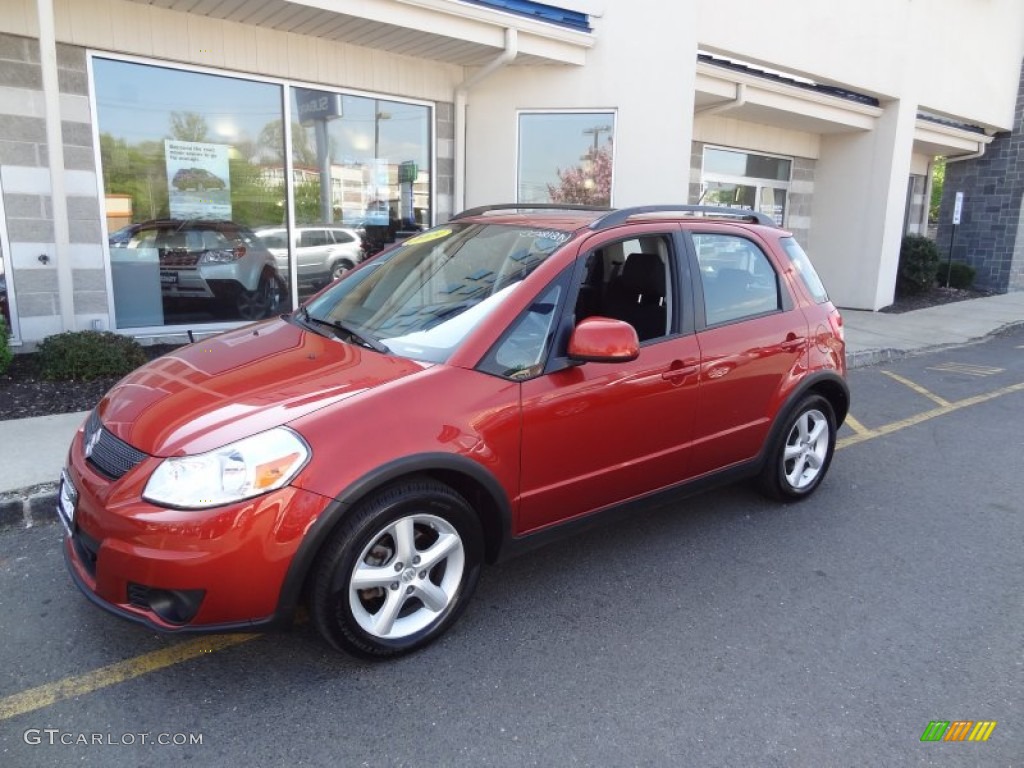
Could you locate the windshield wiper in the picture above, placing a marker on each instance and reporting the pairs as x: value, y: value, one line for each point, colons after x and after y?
x: 362, y: 339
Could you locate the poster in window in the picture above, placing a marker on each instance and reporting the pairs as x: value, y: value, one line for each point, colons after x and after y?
x: 198, y: 180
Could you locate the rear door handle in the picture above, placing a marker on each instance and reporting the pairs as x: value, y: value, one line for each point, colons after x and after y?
x: 793, y: 342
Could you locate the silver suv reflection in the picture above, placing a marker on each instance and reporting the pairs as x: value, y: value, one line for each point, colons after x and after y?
x: 220, y: 261
x: 323, y: 253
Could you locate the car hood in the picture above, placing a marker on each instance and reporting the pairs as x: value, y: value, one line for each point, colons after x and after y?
x: 237, y: 384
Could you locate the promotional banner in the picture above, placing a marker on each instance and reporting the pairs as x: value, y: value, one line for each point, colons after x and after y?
x: 198, y: 180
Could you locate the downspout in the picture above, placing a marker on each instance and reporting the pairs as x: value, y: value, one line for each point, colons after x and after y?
x: 723, y: 106
x: 461, y: 100
x: 972, y: 156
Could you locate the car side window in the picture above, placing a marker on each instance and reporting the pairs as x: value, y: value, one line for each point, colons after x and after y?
x: 630, y: 280
x: 521, y: 352
x: 311, y: 238
x: 341, y: 236
x: 737, y: 278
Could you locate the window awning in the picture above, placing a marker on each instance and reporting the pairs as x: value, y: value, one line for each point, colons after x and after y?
x: 462, y: 32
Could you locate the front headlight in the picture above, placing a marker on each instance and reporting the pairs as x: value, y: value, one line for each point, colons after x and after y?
x: 237, y: 471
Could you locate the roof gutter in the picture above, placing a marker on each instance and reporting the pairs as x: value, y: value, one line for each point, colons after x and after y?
x: 504, y: 58
x: 723, y: 106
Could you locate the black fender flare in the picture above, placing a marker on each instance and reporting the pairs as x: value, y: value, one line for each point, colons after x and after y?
x: 429, y: 464
x: 817, y: 381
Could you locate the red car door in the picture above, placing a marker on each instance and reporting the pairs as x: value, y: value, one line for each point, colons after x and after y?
x: 753, y: 344
x: 601, y: 433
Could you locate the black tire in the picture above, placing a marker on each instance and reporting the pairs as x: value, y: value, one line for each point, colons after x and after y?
x: 340, y: 268
x: 391, y: 616
x: 799, y: 459
x: 262, y: 302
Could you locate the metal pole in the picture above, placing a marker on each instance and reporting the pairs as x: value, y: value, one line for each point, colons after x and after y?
x: 949, y: 261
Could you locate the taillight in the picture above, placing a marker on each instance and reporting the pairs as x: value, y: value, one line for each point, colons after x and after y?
x: 835, y: 321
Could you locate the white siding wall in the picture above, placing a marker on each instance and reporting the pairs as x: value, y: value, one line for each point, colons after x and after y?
x: 959, y: 57
x: 642, y: 66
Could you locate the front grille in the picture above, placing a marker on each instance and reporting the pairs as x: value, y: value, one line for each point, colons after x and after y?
x: 138, y: 595
x: 111, y: 456
x: 178, y: 258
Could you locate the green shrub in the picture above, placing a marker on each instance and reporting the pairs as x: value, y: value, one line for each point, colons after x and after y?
x: 85, y: 355
x: 6, y: 355
x: 919, y: 263
x: 960, y: 275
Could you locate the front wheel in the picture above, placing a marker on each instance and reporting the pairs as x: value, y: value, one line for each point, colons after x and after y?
x: 797, y: 462
x: 263, y: 301
x: 341, y: 268
x: 398, y: 573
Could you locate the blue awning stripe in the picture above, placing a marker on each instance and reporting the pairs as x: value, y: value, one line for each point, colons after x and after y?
x: 540, y: 11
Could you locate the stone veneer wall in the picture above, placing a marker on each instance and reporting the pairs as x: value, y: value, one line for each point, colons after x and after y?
x: 801, y: 191
x: 25, y: 182
x: 991, y: 233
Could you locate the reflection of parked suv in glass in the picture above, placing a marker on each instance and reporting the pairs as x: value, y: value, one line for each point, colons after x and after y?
x: 466, y: 393
x: 322, y: 253
x: 217, y: 260
x: 198, y: 179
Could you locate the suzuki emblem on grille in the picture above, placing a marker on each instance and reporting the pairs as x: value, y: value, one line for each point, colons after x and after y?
x: 90, y: 444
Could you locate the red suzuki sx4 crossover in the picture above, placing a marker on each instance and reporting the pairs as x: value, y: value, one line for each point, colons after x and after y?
x: 482, y: 386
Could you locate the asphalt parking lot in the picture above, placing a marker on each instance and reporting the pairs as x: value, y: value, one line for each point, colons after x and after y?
x: 722, y: 631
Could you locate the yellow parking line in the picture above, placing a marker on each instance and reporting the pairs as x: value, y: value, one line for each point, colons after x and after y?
x: 69, y: 687
x: 855, y: 425
x: 896, y: 426
x: 917, y: 388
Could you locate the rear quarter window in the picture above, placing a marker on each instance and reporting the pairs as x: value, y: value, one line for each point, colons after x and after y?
x: 802, y: 264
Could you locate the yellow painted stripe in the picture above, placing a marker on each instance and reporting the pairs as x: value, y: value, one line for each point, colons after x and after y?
x: 917, y: 388
x: 896, y: 426
x: 69, y: 687
x: 855, y: 425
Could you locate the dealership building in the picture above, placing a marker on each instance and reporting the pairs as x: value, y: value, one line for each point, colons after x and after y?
x: 187, y: 165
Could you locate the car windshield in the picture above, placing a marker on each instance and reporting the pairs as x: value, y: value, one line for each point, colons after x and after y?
x: 421, y: 299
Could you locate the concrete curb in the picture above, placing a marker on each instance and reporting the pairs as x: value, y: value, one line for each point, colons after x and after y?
x: 868, y: 357
x: 29, y: 507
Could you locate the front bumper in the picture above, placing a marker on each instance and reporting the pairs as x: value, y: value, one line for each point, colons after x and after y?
x: 182, y: 570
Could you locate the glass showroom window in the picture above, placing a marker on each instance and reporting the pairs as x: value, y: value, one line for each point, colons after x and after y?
x: 566, y: 157
x: 745, y: 180
x: 361, y: 175
x: 191, y: 167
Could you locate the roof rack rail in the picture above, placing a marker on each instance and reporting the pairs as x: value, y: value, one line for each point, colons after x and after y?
x: 620, y: 215
x: 528, y: 207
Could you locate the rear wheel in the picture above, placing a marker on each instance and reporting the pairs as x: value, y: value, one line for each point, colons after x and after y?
x: 800, y: 458
x: 398, y: 573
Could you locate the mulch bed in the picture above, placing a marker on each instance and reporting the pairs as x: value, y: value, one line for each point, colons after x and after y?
x: 932, y: 298
x: 24, y: 393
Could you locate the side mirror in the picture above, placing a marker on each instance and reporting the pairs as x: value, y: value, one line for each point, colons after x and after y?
x: 603, y: 340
